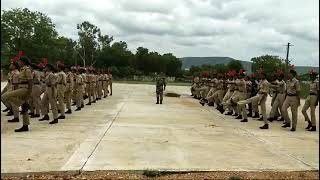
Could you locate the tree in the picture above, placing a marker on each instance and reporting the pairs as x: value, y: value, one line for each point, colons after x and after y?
x: 29, y: 31
x: 88, y: 42
x: 269, y: 64
x: 235, y: 65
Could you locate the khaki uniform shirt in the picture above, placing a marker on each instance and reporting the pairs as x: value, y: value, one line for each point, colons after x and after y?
x: 70, y: 81
x: 263, y: 87
x: 293, y: 87
x: 314, y: 87
x: 61, y: 78
x: 14, y: 79
x: 24, y: 76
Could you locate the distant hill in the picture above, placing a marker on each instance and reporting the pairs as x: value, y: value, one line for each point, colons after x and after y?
x: 187, y: 62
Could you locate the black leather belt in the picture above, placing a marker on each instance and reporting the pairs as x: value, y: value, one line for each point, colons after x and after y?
x: 49, y: 85
x: 313, y: 94
x: 24, y: 82
x: 291, y: 94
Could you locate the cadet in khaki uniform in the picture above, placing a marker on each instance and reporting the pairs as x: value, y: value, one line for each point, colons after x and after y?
x: 105, y: 84
x: 50, y: 95
x: 14, y: 72
x: 35, y: 101
x: 78, y: 89
x: 20, y: 96
x: 261, y: 97
x: 311, y: 102
x: 83, y: 75
x: 61, y: 88
x: 13, y: 81
x: 100, y: 81
x: 89, y: 87
x: 239, y: 93
x: 292, y: 100
x: 110, y: 81
x: 280, y: 87
x: 69, y: 90
x: 160, y: 87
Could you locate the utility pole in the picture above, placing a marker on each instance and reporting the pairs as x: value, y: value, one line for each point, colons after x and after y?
x: 287, y: 62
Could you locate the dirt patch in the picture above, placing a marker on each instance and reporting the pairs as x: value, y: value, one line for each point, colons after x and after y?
x: 176, y: 175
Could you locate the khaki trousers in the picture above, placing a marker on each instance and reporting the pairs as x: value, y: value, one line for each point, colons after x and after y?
x: 293, y: 103
x: 60, y: 95
x: 50, y: 97
x: 310, y: 103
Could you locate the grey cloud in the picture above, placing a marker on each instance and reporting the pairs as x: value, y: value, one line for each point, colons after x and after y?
x: 240, y: 29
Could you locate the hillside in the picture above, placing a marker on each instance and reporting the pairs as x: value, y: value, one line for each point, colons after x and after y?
x: 187, y: 62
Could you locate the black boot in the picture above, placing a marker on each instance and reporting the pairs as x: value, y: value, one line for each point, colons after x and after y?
x: 45, y: 118
x: 59, y: 111
x: 221, y: 110
x: 6, y: 110
x: 78, y: 109
x: 256, y: 115
x: 210, y: 104
x: 265, y: 126
x: 313, y: 128
x: 309, y: 125
x: 244, y: 120
x: 293, y: 129
x: 271, y: 119
x: 261, y: 118
x: 160, y: 101
x: 61, y: 117
x: 250, y: 114
x: 69, y: 111
x: 35, y: 116
x: 23, y: 128
x: 88, y: 104
x: 235, y: 114
x: 54, y: 121
x: 239, y: 117
x: 73, y: 104
x: 157, y: 100
x: 14, y: 120
x: 31, y: 113
x: 82, y: 105
x: 286, y: 125
x: 202, y: 103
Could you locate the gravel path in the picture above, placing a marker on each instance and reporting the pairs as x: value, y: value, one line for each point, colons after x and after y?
x: 231, y: 175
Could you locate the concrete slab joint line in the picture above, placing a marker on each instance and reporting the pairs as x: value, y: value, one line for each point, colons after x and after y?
x: 113, y: 119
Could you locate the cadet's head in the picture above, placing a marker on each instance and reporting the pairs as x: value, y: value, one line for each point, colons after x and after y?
x: 60, y: 66
x: 292, y: 74
x: 313, y: 74
x: 25, y: 61
x: 49, y: 68
x: 242, y: 73
x: 14, y: 65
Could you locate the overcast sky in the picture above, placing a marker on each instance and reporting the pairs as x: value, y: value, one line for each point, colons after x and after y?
x: 239, y: 29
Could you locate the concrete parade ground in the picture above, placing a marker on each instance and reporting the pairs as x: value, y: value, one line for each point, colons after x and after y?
x: 128, y: 131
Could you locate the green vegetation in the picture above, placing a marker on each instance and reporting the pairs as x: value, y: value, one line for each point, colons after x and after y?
x: 34, y: 33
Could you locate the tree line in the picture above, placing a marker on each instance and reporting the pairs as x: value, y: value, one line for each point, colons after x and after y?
x: 34, y: 33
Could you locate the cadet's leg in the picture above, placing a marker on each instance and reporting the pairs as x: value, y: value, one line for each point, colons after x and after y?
x: 53, y: 104
x: 305, y: 108
x: 294, y: 110
x: 36, y: 99
x: 263, y: 108
x: 61, y: 101
x: 274, y: 108
x: 110, y: 88
x: 68, y: 99
x: 284, y: 110
x: 313, y: 113
x: 161, y: 97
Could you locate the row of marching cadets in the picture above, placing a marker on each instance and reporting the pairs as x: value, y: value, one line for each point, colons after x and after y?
x: 37, y: 88
x: 240, y: 95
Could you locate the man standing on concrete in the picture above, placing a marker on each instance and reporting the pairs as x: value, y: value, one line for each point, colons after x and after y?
x: 20, y: 96
x: 69, y: 89
x: 61, y: 88
x: 292, y: 100
x: 160, y: 87
x: 311, y: 102
x: 280, y: 88
x: 50, y: 95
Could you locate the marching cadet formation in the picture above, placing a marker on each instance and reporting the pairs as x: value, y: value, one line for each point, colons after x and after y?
x: 230, y: 93
x: 41, y: 88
